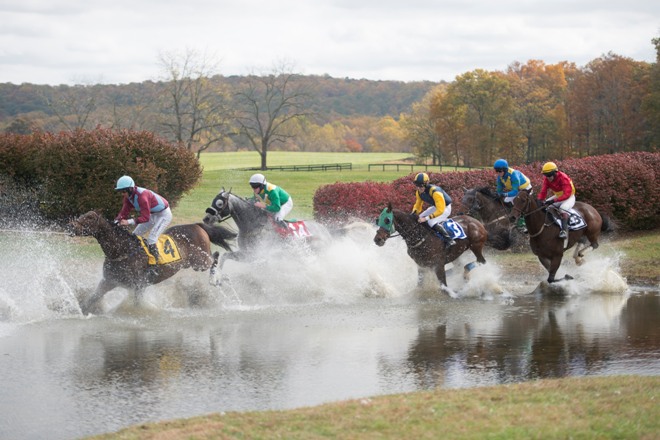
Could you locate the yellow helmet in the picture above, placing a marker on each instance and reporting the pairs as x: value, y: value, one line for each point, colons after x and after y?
x: 421, y: 179
x: 549, y: 167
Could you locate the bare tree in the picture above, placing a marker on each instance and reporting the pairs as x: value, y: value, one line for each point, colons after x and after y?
x: 266, y: 105
x: 74, y: 105
x: 196, y: 108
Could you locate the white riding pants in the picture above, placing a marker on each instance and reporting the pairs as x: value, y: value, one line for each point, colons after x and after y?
x: 284, y: 210
x: 434, y: 221
x: 508, y: 199
x: 157, y: 223
x: 565, y: 205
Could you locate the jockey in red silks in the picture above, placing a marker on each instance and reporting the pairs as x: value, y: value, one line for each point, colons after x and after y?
x: 154, y: 214
x: 563, y: 193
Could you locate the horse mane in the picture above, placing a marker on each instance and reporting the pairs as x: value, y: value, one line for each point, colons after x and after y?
x: 488, y: 192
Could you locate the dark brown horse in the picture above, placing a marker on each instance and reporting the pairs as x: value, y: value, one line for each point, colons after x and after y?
x: 425, y: 247
x: 126, y: 262
x: 485, y: 204
x: 544, y: 232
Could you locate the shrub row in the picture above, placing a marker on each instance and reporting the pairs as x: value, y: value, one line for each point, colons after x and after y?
x: 73, y: 172
x: 624, y: 186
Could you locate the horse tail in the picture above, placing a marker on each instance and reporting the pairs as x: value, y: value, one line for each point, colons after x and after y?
x: 608, y: 224
x: 219, y: 235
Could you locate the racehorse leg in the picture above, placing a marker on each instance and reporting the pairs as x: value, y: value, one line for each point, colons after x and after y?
x: 91, y: 303
x: 440, y: 273
x: 555, y: 262
x: 217, y: 266
x: 582, y: 248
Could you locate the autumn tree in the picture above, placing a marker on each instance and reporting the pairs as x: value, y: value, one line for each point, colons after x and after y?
x: 266, y: 105
x: 419, y: 128
x: 489, y: 106
x: 196, y: 110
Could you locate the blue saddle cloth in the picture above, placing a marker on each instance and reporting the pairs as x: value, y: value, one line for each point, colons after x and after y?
x: 454, y: 229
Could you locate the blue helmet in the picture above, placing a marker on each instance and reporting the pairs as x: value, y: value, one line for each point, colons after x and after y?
x: 501, y: 165
x: 124, y: 182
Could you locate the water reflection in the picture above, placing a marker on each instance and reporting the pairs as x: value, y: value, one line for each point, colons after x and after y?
x: 65, y: 376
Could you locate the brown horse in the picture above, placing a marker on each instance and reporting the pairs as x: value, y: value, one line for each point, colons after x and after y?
x: 126, y: 262
x: 425, y: 247
x: 544, y: 232
x: 489, y: 207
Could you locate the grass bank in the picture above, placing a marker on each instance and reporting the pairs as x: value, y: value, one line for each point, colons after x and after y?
x: 594, y: 407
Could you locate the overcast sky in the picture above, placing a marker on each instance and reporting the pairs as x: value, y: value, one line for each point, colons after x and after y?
x: 119, y: 41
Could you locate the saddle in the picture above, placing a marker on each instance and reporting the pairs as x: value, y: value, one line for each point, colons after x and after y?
x: 575, y: 220
x: 291, y: 228
x: 167, y: 248
x: 454, y: 229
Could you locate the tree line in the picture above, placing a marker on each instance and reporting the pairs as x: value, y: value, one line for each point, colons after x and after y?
x: 529, y: 112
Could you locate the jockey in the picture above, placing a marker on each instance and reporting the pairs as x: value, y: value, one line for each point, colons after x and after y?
x: 509, y: 183
x: 153, y: 212
x: 439, y: 209
x: 563, y: 193
x: 271, y: 197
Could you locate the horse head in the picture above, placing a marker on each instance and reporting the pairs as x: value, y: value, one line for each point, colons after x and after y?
x: 247, y: 217
x: 470, y: 201
x: 385, y: 224
x: 522, y: 205
x: 219, y: 208
x: 87, y: 224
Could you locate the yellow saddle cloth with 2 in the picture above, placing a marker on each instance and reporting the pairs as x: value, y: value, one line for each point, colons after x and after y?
x: 167, y: 248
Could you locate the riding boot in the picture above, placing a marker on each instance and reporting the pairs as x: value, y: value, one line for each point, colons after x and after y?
x: 564, y: 226
x: 448, y: 238
x: 522, y: 226
x: 152, y: 269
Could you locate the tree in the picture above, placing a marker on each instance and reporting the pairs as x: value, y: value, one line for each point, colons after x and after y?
x: 196, y: 109
x: 419, y: 127
x: 267, y: 104
x: 74, y: 105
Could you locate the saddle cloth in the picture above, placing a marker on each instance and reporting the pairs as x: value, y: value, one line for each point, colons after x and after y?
x: 294, y: 229
x: 454, y: 229
x: 575, y: 220
x: 167, y: 248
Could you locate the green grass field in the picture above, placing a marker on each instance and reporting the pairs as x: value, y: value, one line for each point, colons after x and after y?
x: 222, y: 170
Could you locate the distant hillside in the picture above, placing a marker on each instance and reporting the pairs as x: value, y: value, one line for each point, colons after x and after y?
x: 334, y: 98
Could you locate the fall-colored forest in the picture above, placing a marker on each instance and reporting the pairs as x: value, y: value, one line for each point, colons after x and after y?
x: 529, y: 112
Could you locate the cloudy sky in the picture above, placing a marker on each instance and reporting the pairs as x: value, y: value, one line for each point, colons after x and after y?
x: 119, y: 41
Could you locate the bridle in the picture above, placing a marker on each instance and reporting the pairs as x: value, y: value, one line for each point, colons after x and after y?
x: 475, y: 206
x: 526, y: 208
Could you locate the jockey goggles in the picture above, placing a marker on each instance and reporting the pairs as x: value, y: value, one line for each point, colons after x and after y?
x: 256, y: 185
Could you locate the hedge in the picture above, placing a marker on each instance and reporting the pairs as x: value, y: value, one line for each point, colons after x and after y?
x: 73, y: 172
x: 624, y: 186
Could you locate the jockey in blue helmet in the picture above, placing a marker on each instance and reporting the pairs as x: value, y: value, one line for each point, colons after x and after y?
x: 153, y: 213
x: 509, y: 183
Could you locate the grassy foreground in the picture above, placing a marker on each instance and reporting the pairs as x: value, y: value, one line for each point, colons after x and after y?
x: 593, y: 407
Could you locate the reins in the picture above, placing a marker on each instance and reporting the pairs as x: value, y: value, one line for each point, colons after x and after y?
x: 521, y: 213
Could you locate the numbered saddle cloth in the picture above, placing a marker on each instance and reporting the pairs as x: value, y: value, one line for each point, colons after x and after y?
x: 575, y: 220
x: 294, y: 229
x: 167, y: 248
x: 454, y: 229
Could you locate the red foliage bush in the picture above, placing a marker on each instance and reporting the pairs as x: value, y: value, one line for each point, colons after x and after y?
x: 624, y: 186
x: 75, y: 172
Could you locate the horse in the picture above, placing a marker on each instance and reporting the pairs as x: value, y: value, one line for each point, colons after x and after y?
x: 488, y: 206
x: 425, y: 247
x: 126, y: 260
x: 544, y: 232
x: 256, y: 227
